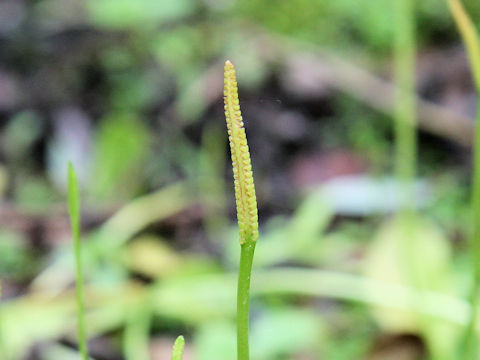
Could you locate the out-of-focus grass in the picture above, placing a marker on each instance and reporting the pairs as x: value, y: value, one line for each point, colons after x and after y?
x: 472, y: 42
x: 2, y: 346
x: 197, y: 295
x: 195, y: 291
x: 405, y: 97
x: 137, y: 332
x: 150, y: 87
x: 200, y: 298
x: 74, y: 212
x: 107, y: 240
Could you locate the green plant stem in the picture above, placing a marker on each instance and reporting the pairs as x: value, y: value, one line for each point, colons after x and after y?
x: 82, y: 337
x: 243, y: 299
x: 405, y: 131
x: 3, y: 351
x: 466, y: 26
x: 405, y: 100
x: 74, y: 210
x: 470, y: 340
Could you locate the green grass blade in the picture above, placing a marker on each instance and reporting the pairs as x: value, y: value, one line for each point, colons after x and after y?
x: 74, y: 212
x: 137, y: 332
x: 470, y: 37
x: 3, y: 351
x: 178, y: 348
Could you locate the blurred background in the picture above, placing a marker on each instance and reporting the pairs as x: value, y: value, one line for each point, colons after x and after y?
x: 131, y: 92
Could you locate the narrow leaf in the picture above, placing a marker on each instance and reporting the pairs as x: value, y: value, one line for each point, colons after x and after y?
x: 74, y: 212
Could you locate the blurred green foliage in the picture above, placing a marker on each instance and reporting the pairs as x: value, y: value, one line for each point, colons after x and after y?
x: 120, y: 152
x: 140, y: 80
x: 123, y: 14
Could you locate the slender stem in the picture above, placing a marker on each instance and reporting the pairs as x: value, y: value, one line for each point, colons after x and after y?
x: 470, y: 339
x: 74, y: 211
x: 3, y: 351
x: 472, y: 42
x: 405, y: 103
x: 243, y: 299
x: 82, y: 337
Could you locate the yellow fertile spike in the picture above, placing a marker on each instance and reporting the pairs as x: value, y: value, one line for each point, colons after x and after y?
x: 247, y: 213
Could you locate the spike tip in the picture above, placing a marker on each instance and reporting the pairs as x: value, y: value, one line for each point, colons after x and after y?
x: 246, y: 200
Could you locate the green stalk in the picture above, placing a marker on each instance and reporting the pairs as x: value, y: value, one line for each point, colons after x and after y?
x: 405, y: 128
x: 471, y: 339
x: 405, y: 100
x: 74, y: 211
x: 3, y: 351
x: 243, y: 299
x: 406, y: 154
x: 472, y: 43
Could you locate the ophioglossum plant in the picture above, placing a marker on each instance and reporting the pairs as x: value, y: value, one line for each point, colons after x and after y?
x: 246, y: 204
